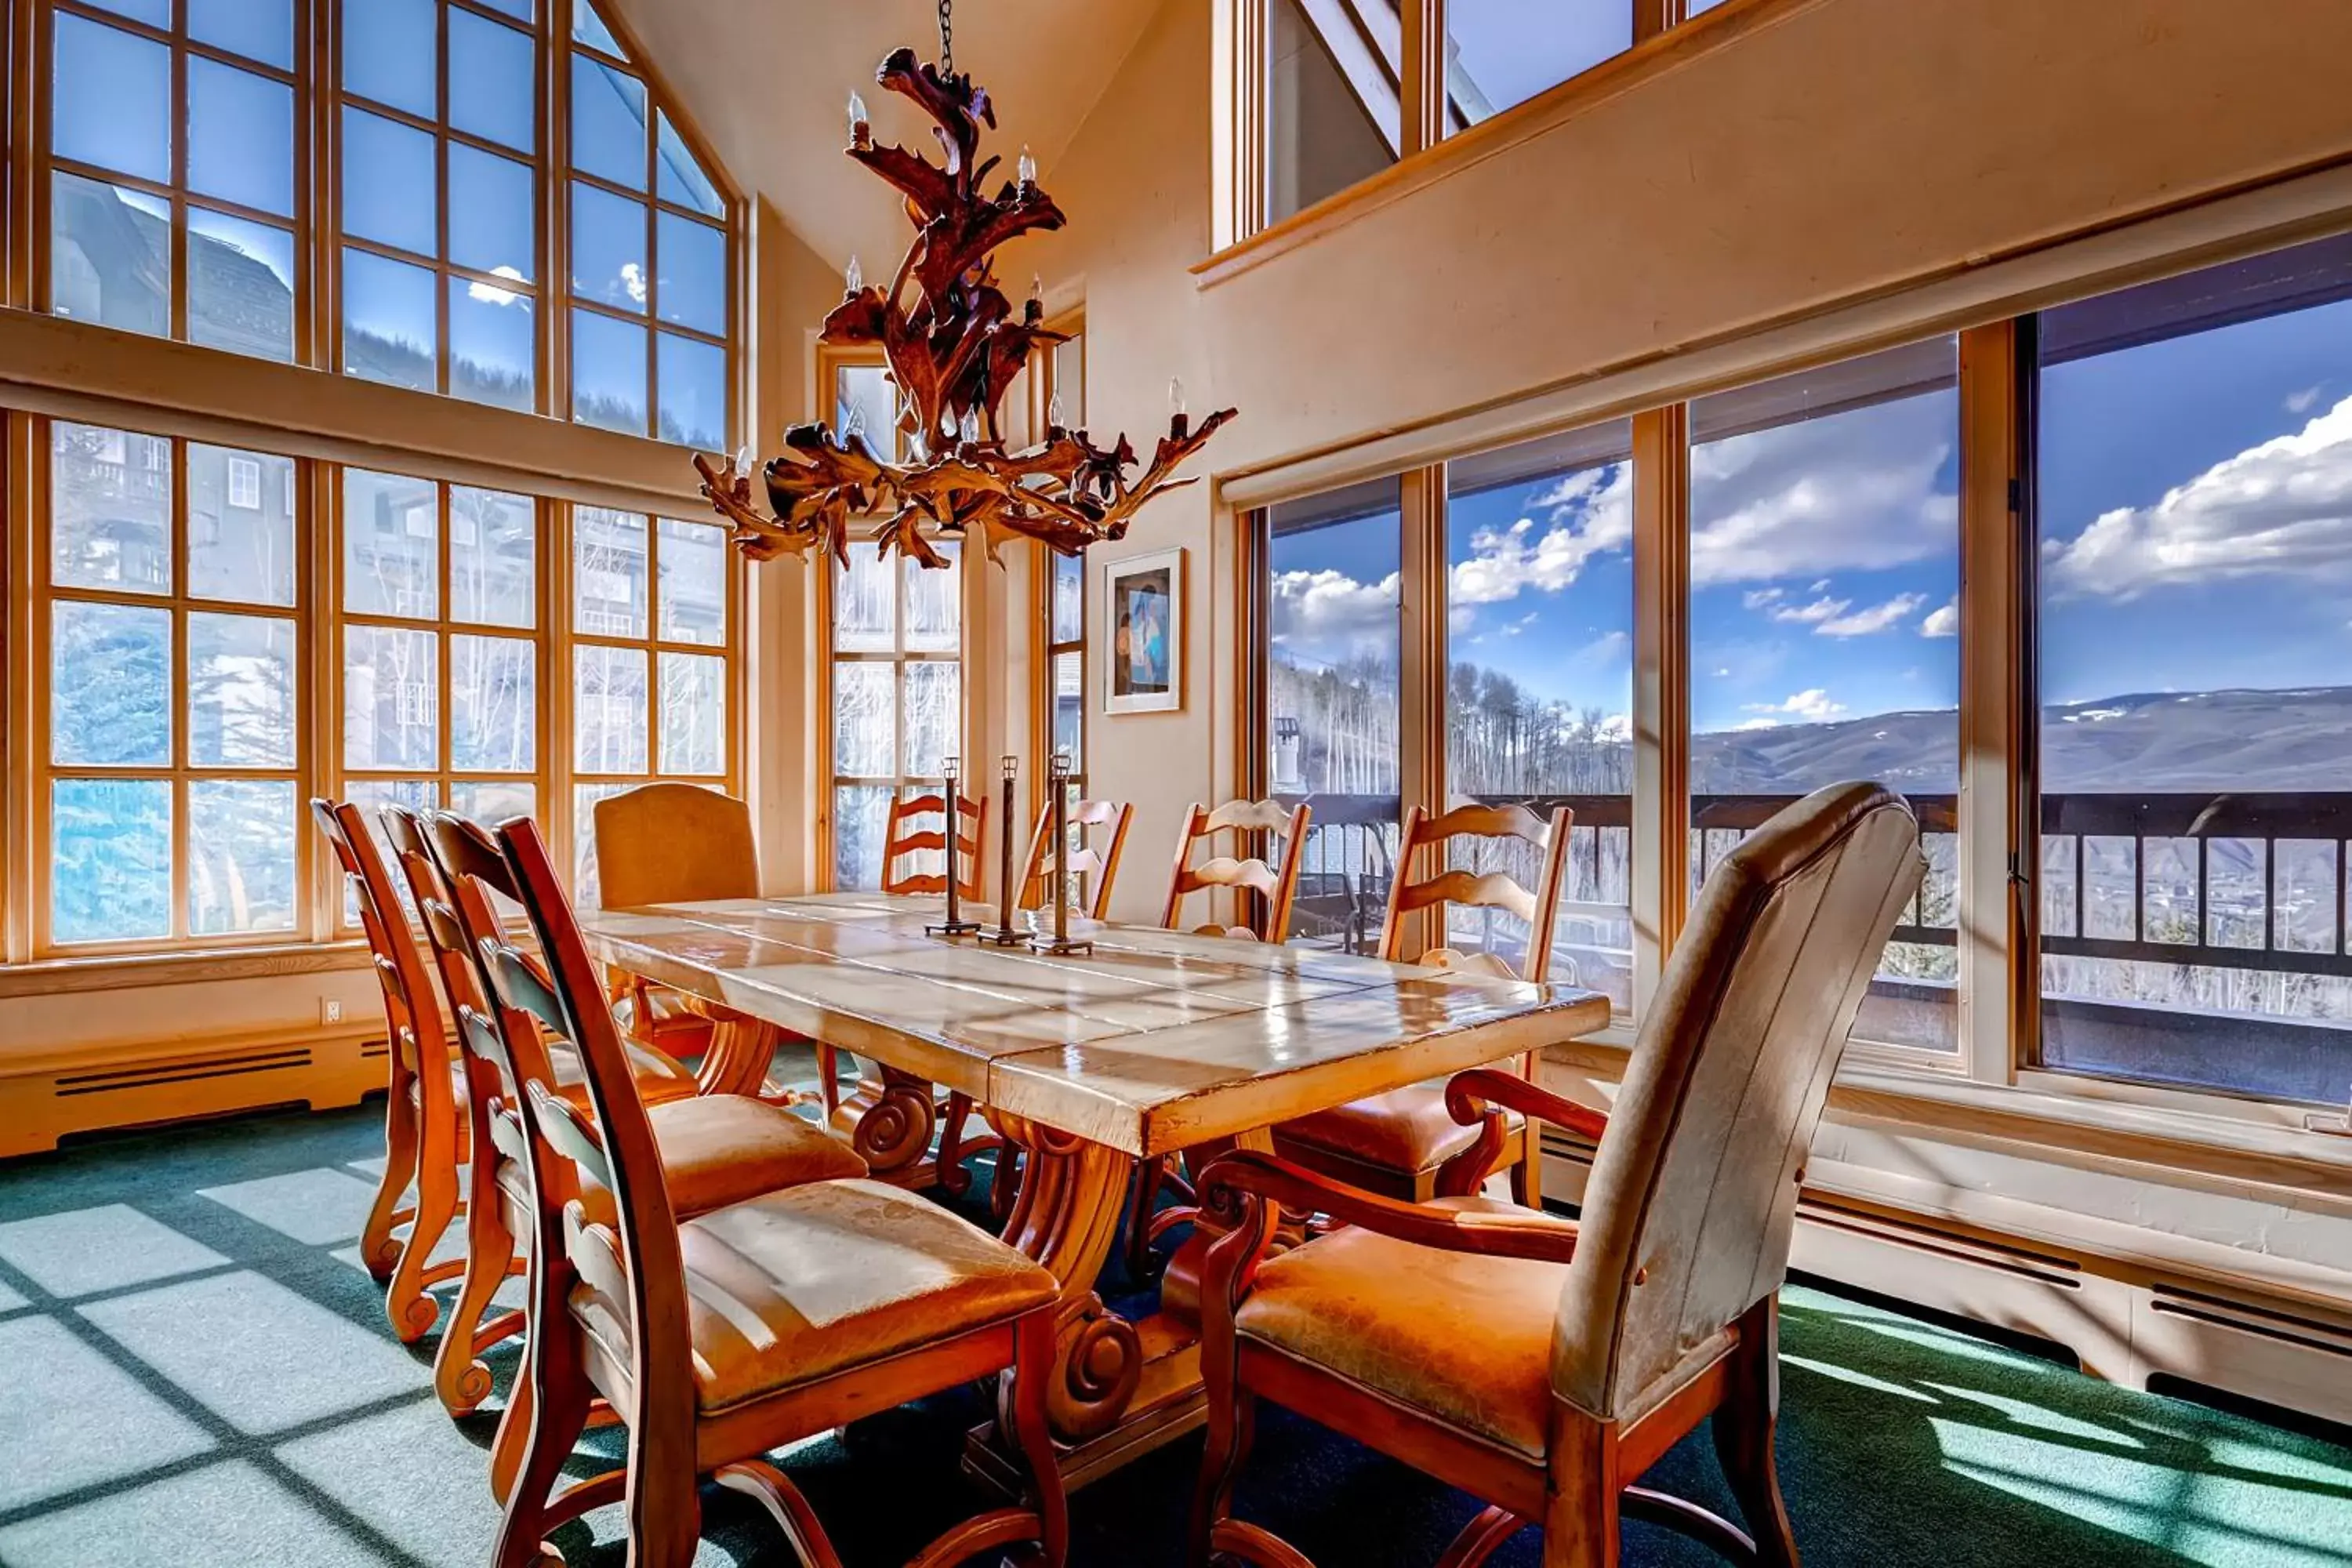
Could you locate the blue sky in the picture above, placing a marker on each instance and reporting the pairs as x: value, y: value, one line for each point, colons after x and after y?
x: 2197, y: 533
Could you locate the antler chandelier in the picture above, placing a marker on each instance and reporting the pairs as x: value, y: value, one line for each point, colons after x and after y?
x: 954, y: 347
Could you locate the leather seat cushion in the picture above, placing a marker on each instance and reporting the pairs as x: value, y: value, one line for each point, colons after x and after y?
x: 1404, y: 1129
x: 718, y: 1150
x: 797, y: 1286
x: 1463, y: 1338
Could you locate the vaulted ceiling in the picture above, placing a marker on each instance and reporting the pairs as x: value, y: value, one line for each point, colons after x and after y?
x: 767, y: 81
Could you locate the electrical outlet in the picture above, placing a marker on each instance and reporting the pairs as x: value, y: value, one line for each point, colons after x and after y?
x: 330, y: 1011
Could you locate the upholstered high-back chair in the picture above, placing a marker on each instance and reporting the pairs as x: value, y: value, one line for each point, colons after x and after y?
x: 1544, y: 1364
x: 681, y: 844
x: 1277, y: 883
x: 423, y: 1129
x: 721, y: 1338
x: 919, y: 822
x: 1395, y: 1143
x: 1100, y: 863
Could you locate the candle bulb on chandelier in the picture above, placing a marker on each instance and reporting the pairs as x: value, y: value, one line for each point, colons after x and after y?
x: 854, y: 276
x: 861, y: 130
x: 1054, y: 414
x: 968, y: 427
x: 1178, y: 423
x: 1028, y: 171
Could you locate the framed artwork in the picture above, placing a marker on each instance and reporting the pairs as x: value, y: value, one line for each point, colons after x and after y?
x: 1143, y: 657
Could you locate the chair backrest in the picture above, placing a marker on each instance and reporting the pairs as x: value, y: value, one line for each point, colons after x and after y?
x: 674, y: 844
x: 1485, y: 824
x: 417, y: 1031
x: 1278, y: 883
x: 909, y: 831
x: 637, y: 1256
x: 1101, y: 864
x: 503, y: 1050
x: 1694, y: 1190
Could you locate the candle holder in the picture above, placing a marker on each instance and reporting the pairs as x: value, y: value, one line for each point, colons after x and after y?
x: 1003, y: 934
x: 955, y: 924
x: 1060, y: 944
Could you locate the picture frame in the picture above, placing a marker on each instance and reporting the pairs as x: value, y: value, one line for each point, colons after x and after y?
x: 1143, y: 654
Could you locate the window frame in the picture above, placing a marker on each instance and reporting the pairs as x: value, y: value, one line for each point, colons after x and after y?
x: 1046, y: 651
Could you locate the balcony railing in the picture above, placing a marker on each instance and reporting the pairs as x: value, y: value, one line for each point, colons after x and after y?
x: 2227, y: 915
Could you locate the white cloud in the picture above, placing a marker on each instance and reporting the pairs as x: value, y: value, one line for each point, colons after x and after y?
x: 1814, y: 614
x: 2303, y: 402
x: 1859, y: 493
x: 2282, y: 507
x: 1760, y: 598
x: 1812, y: 706
x: 489, y: 293
x: 1329, y: 614
x: 1943, y: 621
x: 1875, y: 619
x: 1591, y: 513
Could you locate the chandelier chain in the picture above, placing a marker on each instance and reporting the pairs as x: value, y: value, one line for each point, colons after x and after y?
x: 947, y: 37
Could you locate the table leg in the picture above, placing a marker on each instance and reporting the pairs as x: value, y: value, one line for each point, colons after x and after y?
x: 1121, y: 1389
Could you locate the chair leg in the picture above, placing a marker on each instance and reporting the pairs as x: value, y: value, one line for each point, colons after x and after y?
x: 1580, y: 1524
x: 407, y: 1302
x: 556, y: 1416
x: 1745, y: 1426
x: 1232, y: 1423
x: 460, y: 1376
x: 1033, y: 1370
x: 1138, y: 1229
x: 379, y: 1248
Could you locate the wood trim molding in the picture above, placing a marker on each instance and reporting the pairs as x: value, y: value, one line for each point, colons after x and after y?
x: 1976, y: 291
x: 1661, y: 689
x: 74, y: 370
x: 78, y: 975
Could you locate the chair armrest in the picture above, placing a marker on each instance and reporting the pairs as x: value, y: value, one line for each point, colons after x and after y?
x: 1228, y: 1184
x: 1470, y: 1097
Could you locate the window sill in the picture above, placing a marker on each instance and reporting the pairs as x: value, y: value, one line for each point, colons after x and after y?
x: 1521, y: 122
x: 2259, y: 1143
x: 126, y: 971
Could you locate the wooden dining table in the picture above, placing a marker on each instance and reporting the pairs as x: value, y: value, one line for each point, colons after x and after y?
x: 1152, y: 1043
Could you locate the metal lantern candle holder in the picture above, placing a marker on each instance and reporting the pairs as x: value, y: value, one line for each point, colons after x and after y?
x: 955, y: 924
x: 1060, y: 944
x: 1003, y: 934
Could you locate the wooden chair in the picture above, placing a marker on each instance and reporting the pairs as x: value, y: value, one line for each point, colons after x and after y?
x: 1543, y: 1364
x: 1277, y: 883
x: 721, y: 1338
x: 1395, y: 1143
x: 682, y: 844
x: 715, y: 1149
x: 892, y: 1116
x: 1102, y: 863
x: 424, y: 1124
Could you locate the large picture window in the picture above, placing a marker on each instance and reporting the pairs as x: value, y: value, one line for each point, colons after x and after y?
x: 898, y: 695
x: 1539, y: 695
x: 1824, y: 608
x: 175, y: 171
x: 172, y: 633
x: 1333, y: 663
x: 2196, y: 627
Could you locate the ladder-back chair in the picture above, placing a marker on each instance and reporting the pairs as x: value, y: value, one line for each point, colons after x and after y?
x: 423, y: 1122
x: 722, y: 1338
x: 1395, y: 1143
x: 715, y: 1149
x: 1101, y: 864
x: 919, y: 824
x: 1544, y: 1364
x: 1276, y: 884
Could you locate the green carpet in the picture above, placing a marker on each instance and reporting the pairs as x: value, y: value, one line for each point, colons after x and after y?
x: 195, y: 1371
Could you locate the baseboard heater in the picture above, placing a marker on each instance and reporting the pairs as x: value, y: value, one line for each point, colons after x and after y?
x: 47, y: 1097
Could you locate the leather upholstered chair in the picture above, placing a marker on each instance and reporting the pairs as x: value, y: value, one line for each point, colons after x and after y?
x: 721, y: 1338
x: 1395, y: 1143
x: 715, y: 1149
x: 1544, y: 1364
x: 681, y: 844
